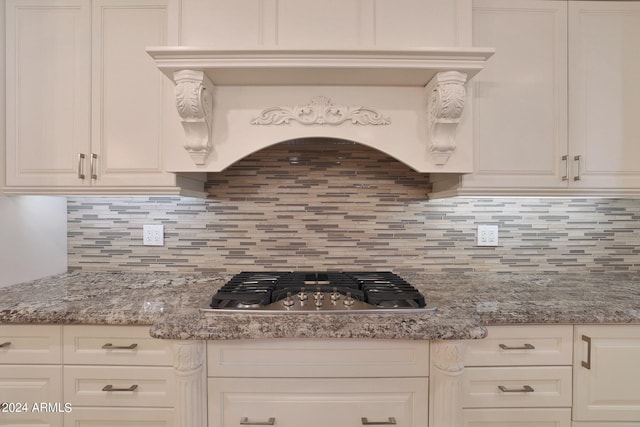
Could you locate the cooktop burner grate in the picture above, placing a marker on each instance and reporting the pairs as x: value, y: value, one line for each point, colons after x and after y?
x: 317, y: 291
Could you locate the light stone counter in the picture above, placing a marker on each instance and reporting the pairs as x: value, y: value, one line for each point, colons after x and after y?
x: 466, y: 303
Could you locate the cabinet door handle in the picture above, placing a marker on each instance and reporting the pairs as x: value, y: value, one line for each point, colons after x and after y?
x: 524, y: 389
x: 577, y: 161
x: 5, y: 344
x: 366, y: 422
x: 587, y: 364
x: 109, y: 387
x: 94, y: 157
x: 244, y: 421
x: 524, y: 347
x: 565, y: 160
x: 81, y: 157
x: 109, y: 346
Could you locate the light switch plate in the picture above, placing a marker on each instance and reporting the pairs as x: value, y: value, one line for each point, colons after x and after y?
x: 487, y: 235
x: 153, y: 235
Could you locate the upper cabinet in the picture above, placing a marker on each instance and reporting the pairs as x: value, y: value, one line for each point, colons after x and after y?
x: 554, y: 108
x: 604, y: 89
x: 85, y: 103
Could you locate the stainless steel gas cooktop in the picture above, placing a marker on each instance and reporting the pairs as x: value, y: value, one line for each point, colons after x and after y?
x: 335, y: 292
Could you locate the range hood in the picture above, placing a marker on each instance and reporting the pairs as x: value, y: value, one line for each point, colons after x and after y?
x: 439, y: 75
x: 282, y: 77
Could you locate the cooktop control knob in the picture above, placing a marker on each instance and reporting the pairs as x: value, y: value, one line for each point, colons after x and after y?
x: 335, y: 295
x: 288, y: 301
x: 349, y: 301
x: 318, y: 295
x: 302, y: 296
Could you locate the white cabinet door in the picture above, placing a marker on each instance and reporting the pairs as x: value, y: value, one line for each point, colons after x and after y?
x: 316, y: 402
x: 22, y: 391
x: 607, y: 388
x: 31, y: 344
x: 604, y: 93
x: 122, y: 417
x: 520, y: 109
x: 48, y: 91
x: 128, y: 93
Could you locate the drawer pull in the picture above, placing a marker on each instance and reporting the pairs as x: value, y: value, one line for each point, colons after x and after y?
x: 366, y: 422
x: 109, y: 346
x: 5, y: 344
x: 524, y: 389
x: 587, y: 364
x: 524, y: 347
x: 109, y: 387
x: 244, y: 421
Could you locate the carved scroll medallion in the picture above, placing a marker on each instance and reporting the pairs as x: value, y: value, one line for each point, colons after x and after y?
x: 320, y: 111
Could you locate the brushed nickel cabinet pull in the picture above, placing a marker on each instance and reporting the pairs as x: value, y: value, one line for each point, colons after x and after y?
x: 577, y: 176
x: 244, y: 421
x: 565, y: 159
x: 109, y: 387
x: 524, y: 347
x: 109, y: 346
x: 81, y: 157
x: 5, y: 344
x: 587, y: 364
x: 94, y: 157
x: 524, y: 389
x: 366, y: 422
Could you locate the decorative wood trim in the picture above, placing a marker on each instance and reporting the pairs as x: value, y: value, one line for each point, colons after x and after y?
x: 191, y: 382
x: 194, y: 102
x: 446, y: 383
x: 320, y: 111
x: 445, y: 103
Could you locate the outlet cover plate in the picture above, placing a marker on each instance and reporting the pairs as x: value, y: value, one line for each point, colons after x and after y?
x: 153, y: 235
x: 487, y: 235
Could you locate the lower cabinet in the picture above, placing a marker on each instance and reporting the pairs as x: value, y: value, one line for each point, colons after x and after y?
x: 122, y: 417
x: 294, y: 402
x: 24, y: 389
x: 117, y: 376
x: 31, y: 376
x: 607, y: 376
x: 318, y: 383
x: 518, y: 377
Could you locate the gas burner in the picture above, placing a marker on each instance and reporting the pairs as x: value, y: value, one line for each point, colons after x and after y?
x: 331, y: 291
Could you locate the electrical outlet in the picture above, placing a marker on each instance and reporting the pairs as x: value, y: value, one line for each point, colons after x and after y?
x: 153, y: 235
x: 487, y: 235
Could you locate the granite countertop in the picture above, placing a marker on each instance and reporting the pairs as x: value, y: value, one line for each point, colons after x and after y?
x: 467, y: 302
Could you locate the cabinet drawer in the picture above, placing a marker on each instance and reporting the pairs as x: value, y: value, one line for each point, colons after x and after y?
x: 22, y: 386
x: 521, y: 346
x: 132, y: 386
x: 538, y: 417
x: 122, y: 417
x: 114, y: 345
x: 546, y: 386
x: 318, y: 358
x: 39, y: 344
x: 318, y: 402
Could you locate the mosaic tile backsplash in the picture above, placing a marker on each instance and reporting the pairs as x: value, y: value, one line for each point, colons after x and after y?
x: 345, y: 206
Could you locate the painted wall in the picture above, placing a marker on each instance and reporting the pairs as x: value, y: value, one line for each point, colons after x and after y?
x: 347, y: 207
x: 33, y: 237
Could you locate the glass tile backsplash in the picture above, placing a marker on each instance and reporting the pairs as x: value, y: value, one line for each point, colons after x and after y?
x: 345, y: 206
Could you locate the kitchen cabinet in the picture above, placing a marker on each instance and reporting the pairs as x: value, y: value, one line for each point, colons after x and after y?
x: 85, y: 103
x: 520, y: 376
x: 554, y: 106
x: 606, y: 376
x: 30, y: 373
x: 117, y: 374
x: 318, y: 382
